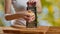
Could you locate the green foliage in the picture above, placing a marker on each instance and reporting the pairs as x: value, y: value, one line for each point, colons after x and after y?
x: 44, y: 3
x: 1, y: 23
x: 50, y: 16
x: 2, y: 4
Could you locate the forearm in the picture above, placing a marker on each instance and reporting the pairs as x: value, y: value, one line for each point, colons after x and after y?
x: 39, y: 7
x: 14, y: 16
x: 7, y: 6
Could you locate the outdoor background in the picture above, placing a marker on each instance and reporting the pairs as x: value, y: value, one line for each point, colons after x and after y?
x: 50, y: 15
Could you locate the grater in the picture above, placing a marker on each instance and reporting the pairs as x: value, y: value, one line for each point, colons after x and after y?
x: 32, y: 6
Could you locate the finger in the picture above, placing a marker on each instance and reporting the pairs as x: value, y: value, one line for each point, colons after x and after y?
x: 33, y: 18
x: 26, y: 18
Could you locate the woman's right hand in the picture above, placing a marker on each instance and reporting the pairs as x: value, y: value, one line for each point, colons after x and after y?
x: 29, y: 16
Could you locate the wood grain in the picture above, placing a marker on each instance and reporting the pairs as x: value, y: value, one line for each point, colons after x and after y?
x: 38, y: 30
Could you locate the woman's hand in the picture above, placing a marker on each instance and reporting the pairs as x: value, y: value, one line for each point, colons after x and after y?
x: 29, y: 16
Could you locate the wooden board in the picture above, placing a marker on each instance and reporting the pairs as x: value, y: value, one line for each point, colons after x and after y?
x: 38, y: 30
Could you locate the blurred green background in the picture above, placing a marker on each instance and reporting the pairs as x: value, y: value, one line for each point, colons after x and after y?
x: 50, y: 15
x: 1, y: 12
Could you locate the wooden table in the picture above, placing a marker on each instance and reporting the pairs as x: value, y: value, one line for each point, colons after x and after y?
x: 53, y: 30
x: 38, y: 30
